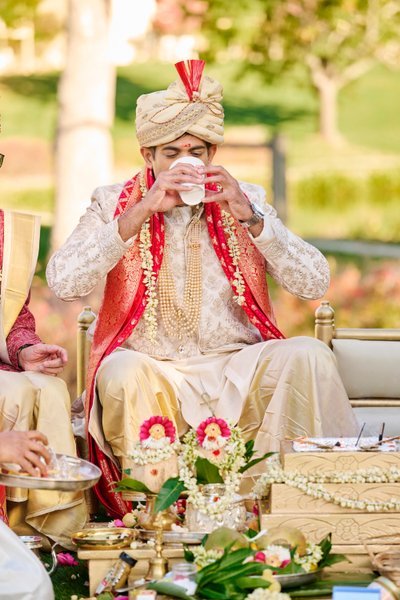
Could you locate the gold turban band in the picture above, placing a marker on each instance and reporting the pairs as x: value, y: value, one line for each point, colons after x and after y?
x: 192, y: 105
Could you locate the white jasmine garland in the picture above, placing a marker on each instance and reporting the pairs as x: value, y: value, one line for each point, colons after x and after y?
x: 234, y: 252
x: 149, y: 278
x: 152, y: 456
x: 310, y: 559
x: 229, y: 466
x: 203, y: 557
x: 311, y: 485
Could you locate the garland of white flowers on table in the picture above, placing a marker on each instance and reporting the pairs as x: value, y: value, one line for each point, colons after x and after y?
x: 312, y: 485
x: 229, y: 466
x: 149, y: 278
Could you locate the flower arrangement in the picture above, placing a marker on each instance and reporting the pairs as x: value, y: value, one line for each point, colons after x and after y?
x: 213, y: 435
x: 312, y: 485
x: 244, y: 567
x: 213, y: 453
x: 154, y: 456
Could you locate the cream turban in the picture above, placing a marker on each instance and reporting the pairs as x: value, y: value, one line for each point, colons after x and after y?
x: 164, y: 116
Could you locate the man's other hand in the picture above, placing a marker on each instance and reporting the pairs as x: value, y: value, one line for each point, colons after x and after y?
x: 27, y: 449
x: 45, y: 358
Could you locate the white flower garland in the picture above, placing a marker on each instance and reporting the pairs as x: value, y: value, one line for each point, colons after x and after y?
x: 149, y: 278
x: 312, y: 485
x: 203, y: 557
x: 234, y: 252
x: 229, y: 468
x: 144, y: 456
x: 310, y: 559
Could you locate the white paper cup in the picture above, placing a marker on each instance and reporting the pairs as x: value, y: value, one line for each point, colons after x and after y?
x: 197, y: 193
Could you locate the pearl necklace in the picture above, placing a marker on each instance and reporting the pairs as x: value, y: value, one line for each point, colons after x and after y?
x: 182, y: 320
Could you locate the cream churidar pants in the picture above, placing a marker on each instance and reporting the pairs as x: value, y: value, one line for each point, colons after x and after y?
x: 274, y: 390
x: 31, y: 400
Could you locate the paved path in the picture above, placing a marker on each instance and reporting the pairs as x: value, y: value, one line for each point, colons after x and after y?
x: 359, y: 248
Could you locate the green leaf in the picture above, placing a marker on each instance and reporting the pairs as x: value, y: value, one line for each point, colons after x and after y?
x: 251, y: 583
x: 207, y: 472
x: 255, y: 461
x: 332, y: 559
x: 131, y: 485
x: 169, y: 589
x: 188, y: 554
x: 169, y: 493
x: 249, y: 450
x: 214, y: 591
x: 250, y: 533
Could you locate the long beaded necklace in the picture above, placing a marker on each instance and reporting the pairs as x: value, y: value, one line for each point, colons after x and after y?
x: 182, y: 319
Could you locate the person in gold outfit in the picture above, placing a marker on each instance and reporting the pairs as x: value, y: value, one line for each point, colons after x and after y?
x: 31, y: 396
x: 186, y: 328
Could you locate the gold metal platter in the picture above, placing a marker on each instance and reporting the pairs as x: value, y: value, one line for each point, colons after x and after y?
x: 87, y: 476
x: 104, y: 538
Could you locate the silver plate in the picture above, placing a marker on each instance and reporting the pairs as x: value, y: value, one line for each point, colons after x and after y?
x: 89, y: 475
x: 173, y: 537
x: 296, y: 579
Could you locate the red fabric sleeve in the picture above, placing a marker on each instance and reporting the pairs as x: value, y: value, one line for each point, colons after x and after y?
x: 22, y: 332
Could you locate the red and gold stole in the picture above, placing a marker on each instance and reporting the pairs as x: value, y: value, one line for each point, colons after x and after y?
x: 125, y: 301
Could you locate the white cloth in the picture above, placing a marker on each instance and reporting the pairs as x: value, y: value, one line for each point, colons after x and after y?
x: 22, y: 575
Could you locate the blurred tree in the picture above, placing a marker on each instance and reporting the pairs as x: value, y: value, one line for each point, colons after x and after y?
x: 86, y: 94
x: 336, y: 40
x: 14, y: 12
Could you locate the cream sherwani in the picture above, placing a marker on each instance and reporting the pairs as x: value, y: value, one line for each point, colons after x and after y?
x: 273, y: 389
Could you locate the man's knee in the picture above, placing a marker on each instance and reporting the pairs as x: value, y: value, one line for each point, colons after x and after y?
x: 307, y: 346
x: 120, y: 369
x: 17, y: 398
x: 49, y: 387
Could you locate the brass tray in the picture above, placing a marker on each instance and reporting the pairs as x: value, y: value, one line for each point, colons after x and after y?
x: 173, y: 537
x: 292, y: 580
x: 104, y: 538
x: 88, y: 476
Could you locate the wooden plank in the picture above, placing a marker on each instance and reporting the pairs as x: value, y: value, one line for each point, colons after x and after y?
x: 348, y: 528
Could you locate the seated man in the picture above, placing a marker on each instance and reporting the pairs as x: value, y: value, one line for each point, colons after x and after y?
x: 31, y: 397
x: 186, y: 297
x: 22, y: 575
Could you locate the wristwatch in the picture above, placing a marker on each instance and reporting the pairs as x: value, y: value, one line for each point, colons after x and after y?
x: 257, y: 216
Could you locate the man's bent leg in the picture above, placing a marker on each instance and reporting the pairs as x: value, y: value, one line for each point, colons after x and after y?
x: 296, y: 391
x: 43, y: 403
x: 132, y: 388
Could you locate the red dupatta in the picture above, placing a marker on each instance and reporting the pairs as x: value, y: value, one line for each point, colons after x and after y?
x: 125, y: 300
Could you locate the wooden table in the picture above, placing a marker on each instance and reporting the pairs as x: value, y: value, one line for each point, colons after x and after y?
x: 100, y: 561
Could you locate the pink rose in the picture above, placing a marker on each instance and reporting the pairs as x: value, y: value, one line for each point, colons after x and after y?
x: 66, y: 559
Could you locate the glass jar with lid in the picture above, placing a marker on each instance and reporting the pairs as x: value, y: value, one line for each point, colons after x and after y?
x: 234, y: 516
x: 184, y: 575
